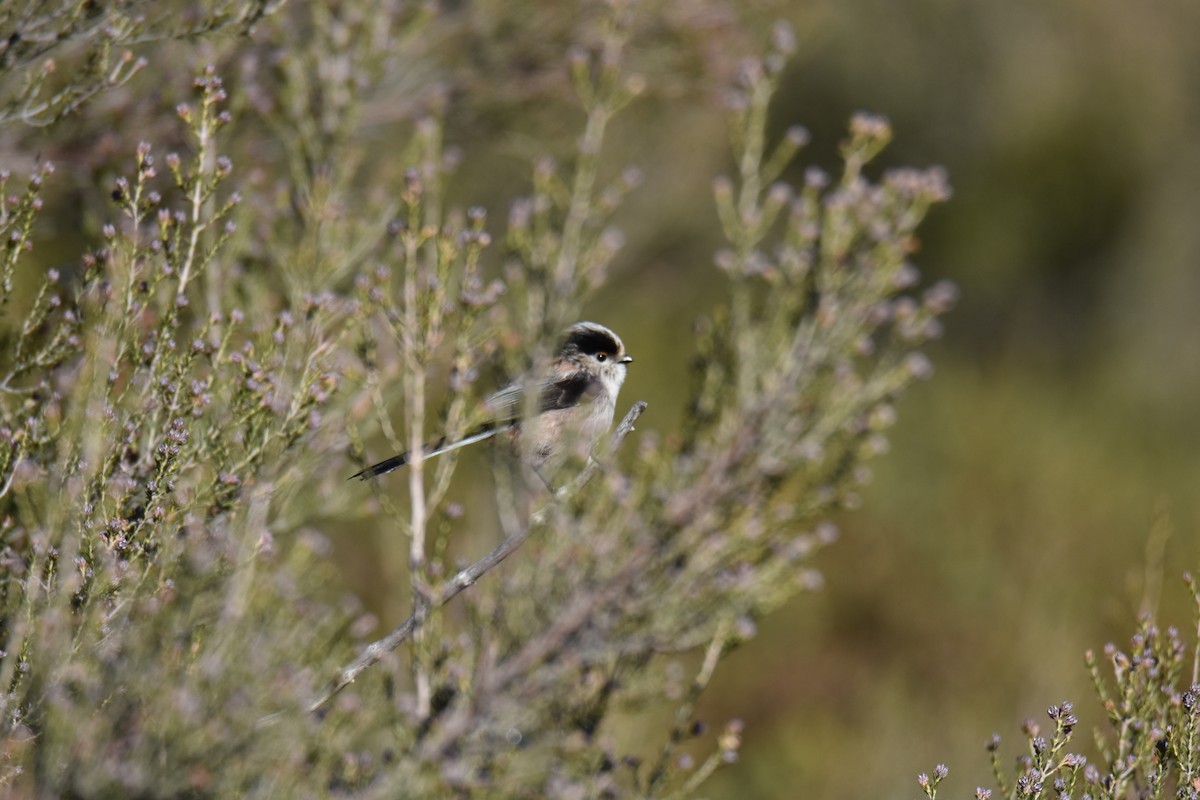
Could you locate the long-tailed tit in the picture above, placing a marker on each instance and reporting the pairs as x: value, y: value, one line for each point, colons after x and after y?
x: 560, y: 412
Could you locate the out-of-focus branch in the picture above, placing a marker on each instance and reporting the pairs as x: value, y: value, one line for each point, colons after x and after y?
x: 683, y: 715
x: 535, y: 652
x: 375, y: 651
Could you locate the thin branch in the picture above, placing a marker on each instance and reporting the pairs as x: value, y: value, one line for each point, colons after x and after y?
x: 683, y: 715
x: 375, y: 651
x: 535, y: 652
x: 415, y: 376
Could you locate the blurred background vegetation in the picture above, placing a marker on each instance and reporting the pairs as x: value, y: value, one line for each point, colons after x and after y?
x: 1041, y: 490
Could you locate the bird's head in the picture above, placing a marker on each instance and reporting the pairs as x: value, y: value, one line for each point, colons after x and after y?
x: 596, y: 349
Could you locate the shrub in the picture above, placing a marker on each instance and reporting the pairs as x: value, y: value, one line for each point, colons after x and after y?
x: 180, y: 408
x: 1148, y: 746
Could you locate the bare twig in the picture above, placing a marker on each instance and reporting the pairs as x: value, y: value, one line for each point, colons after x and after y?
x: 536, y: 651
x: 415, y: 375
x: 683, y: 715
x: 375, y: 651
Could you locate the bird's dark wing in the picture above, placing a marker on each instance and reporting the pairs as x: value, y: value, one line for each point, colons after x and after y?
x: 563, y: 390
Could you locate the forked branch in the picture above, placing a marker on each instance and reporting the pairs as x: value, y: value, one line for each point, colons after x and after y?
x: 375, y: 651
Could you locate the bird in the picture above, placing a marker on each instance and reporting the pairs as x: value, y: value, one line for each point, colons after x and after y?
x: 559, y: 412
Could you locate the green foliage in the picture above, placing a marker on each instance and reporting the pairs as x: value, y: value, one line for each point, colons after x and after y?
x: 175, y: 407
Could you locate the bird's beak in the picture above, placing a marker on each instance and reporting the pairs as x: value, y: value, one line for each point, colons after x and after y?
x: 626, y: 360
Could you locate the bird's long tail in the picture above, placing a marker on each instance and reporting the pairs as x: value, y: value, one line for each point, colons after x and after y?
x: 432, y: 449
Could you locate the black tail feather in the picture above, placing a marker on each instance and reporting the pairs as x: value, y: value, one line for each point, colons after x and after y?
x: 395, y: 462
x: 387, y: 465
x: 432, y: 449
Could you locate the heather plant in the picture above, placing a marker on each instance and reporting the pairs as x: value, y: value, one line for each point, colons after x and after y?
x: 179, y: 410
x: 96, y: 41
x: 1147, y: 745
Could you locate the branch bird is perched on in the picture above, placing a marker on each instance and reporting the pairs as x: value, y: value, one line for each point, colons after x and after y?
x: 561, y: 411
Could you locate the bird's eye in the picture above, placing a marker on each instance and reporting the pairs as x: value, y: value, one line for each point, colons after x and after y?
x: 601, y: 357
